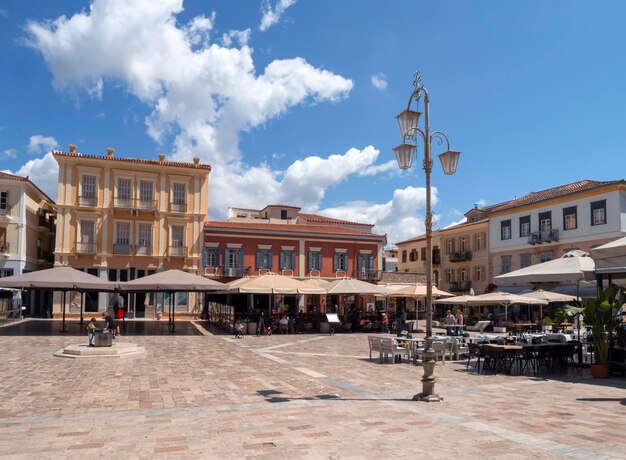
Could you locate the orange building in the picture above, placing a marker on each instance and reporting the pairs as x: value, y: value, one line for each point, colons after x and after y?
x: 124, y: 218
x: 279, y: 238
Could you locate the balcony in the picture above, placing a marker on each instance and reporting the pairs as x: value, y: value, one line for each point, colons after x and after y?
x: 5, y: 248
x: 88, y: 201
x: 44, y: 257
x: 369, y: 275
x: 460, y: 256
x: 134, y: 204
x: 123, y: 203
x: 122, y: 249
x: 143, y: 250
x: 178, y: 207
x: 5, y: 210
x: 459, y: 286
x: 231, y: 272
x: 46, y: 223
x: 146, y: 205
x: 546, y: 236
x: 177, y: 251
x: 85, y: 248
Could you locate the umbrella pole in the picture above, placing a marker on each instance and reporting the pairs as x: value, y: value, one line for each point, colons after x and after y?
x: 63, y: 321
x: 580, y: 342
x: 82, y: 302
x: 173, y: 311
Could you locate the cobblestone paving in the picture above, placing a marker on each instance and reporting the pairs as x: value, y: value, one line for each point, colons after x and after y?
x: 290, y: 396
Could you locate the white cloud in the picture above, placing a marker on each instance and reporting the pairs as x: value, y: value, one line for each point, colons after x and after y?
x: 239, y: 37
x: 38, y: 144
x: 379, y: 81
x: 461, y: 221
x: 9, y: 153
x: 272, y: 16
x: 43, y: 172
x: 205, y: 97
x: 481, y: 203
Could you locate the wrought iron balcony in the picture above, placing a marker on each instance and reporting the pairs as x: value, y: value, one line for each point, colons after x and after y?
x: 369, y: 275
x: 5, y: 248
x: 459, y: 286
x: 177, y: 251
x: 460, y: 256
x: 85, y: 248
x: 146, y: 205
x: 123, y: 203
x: 143, y: 250
x: 88, y: 201
x: 123, y: 249
x: 546, y: 236
x: 178, y: 207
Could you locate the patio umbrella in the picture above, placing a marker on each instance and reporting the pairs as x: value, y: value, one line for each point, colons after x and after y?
x: 419, y: 290
x: 549, y: 296
x: 273, y: 283
x: 610, y: 258
x: 505, y: 299
x: 62, y: 279
x: 571, y: 268
x: 172, y: 281
x: 353, y: 286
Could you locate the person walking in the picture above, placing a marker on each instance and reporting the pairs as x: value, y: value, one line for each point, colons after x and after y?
x: 331, y: 324
x: 260, y: 328
x: 385, y: 323
x: 460, y: 322
x: 450, y: 322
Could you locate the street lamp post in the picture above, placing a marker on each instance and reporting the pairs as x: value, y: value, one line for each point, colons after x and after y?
x: 408, y: 120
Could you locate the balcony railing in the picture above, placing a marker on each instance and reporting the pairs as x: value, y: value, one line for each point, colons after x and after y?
x: 459, y: 286
x: 460, y: 256
x: 88, y: 201
x: 123, y: 203
x: 5, y: 248
x: 5, y: 210
x: 178, y: 207
x: 143, y: 250
x: 85, y: 248
x: 123, y: 249
x: 146, y: 205
x: 546, y: 236
x: 369, y: 275
x: 177, y: 251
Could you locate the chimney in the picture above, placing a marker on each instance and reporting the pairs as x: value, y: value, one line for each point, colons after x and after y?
x: 72, y: 149
x: 110, y: 152
x: 161, y: 157
x: 196, y: 160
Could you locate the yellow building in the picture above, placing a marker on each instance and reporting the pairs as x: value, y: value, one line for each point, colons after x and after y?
x: 125, y: 218
x: 27, y: 226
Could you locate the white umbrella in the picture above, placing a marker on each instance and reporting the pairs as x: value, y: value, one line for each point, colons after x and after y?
x: 549, y: 296
x: 610, y: 258
x: 571, y: 268
x: 418, y: 290
x: 273, y: 283
x: 353, y: 286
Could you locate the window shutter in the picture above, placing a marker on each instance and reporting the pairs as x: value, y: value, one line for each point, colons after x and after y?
x: 257, y: 261
x: 227, y: 255
x: 371, y: 263
x: 359, y: 266
x: 311, y: 255
x: 293, y: 260
x: 205, y: 257
x: 336, y: 262
x: 271, y: 258
x: 240, y: 260
x: 217, y: 257
x: 282, y: 260
x: 319, y: 261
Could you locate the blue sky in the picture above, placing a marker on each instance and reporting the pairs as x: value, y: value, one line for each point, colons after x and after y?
x: 294, y: 101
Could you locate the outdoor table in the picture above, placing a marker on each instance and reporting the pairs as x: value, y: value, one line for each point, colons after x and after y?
x: 500, y: 358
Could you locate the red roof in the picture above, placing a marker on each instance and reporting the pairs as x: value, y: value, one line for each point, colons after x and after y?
x: 292, y: 228
x: 135, y: 160
x: 329, y: 220
x: 552, y: 193
x: 14, y: 177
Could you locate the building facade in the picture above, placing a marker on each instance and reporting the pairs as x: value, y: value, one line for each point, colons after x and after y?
x: 27, y: 231
x: 280, y: 239
x: 544, y: 225
x: 124, y: 218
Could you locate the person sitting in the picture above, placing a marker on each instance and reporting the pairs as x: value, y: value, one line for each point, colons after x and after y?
x: 283, y: 325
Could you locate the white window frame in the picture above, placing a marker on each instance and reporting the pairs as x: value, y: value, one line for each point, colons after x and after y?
x: 145, y: 233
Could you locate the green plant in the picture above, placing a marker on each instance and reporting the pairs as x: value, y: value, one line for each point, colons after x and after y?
x: 601, y: 315
x: 547, y: 321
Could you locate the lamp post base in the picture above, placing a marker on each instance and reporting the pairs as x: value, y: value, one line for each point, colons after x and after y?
x: 427, y: 398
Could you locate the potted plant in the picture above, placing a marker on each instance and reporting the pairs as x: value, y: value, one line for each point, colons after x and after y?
x: 601, y: 315
x: 547, y: 322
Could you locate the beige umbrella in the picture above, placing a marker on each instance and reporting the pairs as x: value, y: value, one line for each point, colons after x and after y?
x: 571, y: 268
x: 549, y: 296
x: 419, y: 290
x: 353, y: 286
x: 273, y: 283
x: 505, y: 299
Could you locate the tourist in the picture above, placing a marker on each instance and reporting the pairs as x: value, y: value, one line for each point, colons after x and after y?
x: 459, y: 322
x: 385, y: 323
x: 91, y: 331
x: 450, y: 322
x: 109, y: 323
x: 239, y: 330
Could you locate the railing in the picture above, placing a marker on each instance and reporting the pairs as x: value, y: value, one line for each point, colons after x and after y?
x: 124, y: 249
x: 236, y: 272
x: 143, y: 250
x: 546, y: 236
x: 146, y: 205
x: 459, y: 286
x: 123, y: 203
x: 177, y: 251
x: 436, y: 259
x: 178, y: 207
x: 85, y: 248
x: 369, y: 275
x: 89, y: 201
x: 5, y: 248
x: 5, y: 210
x: 460, y: 256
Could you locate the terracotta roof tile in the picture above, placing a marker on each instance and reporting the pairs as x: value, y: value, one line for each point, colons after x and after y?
x: 552, y: 193
x: 292, y: 228
x: 329, y: 220
x: 136, y: 160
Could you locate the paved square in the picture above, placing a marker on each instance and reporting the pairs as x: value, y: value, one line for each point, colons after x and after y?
x: 290, y: 396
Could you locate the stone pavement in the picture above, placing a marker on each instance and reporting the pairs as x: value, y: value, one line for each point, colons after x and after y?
x: 293, y: 397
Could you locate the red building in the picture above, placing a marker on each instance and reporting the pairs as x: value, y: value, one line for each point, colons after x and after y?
x: 281, y: 239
